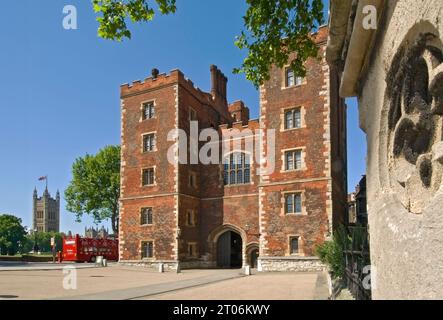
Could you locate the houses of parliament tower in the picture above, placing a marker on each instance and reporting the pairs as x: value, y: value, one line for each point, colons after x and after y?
x: 46, y: 212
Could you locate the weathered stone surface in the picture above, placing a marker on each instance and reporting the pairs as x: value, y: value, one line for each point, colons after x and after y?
x: 299, y: 264
x: 399, y: 105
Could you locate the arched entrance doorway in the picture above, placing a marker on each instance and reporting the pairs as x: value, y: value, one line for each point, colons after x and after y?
x: 253, y: 257
x: 252, y: 251
x: 229, y: 250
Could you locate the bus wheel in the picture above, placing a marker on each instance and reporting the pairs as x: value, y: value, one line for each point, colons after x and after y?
x: 93, y: 259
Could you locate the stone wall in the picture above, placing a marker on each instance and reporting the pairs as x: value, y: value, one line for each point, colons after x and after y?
x: 284, y: 264
x: 167, y: 265
x: 396, y: 72
x: 405, y: 216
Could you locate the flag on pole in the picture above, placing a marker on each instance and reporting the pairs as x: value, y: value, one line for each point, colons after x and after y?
x: 42, y: 178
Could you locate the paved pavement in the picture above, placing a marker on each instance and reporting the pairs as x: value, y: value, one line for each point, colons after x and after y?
x: 123, y: 282
x: 262, y: 286
x: 32, y: 266
x: 161, y: 288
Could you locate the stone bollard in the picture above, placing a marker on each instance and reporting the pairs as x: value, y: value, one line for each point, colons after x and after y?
x: 247, y: 270
x: 161, y: 267
x: 178, y: 268
x: 99, y: 261
x: 105, y: 263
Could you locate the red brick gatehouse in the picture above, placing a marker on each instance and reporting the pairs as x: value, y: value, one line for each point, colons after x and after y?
x: 230, y: 214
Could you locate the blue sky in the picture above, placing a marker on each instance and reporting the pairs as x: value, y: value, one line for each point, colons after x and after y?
x: 60, y: 88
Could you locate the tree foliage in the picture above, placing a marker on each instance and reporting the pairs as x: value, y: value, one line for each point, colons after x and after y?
x: 332, y: 252
x: 114, y: 14
x: 95, y: 186
x: 12, y: 234
x: 43, y: 240
x: 273, y: 30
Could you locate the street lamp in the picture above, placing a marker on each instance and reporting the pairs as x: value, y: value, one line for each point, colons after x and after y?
x: 35, y: 241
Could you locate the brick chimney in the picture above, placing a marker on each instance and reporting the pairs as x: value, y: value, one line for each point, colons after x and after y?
x: 239, y: 112
x: 218, y: 85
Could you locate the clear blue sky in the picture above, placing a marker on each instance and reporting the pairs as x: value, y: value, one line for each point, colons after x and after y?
x: 60, y: 89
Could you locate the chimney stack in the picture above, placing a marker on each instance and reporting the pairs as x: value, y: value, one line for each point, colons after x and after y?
x: 218, y: 84
x: 155, y: 73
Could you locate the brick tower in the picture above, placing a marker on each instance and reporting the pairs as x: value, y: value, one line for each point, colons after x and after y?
x: 226, y: 213
x: 46, y: 212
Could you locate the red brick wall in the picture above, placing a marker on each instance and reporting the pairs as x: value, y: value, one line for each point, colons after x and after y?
x: 134, y: 196
x: 254, y: 209
x: 315, y: 180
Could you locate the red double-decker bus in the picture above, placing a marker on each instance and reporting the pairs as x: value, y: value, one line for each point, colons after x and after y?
x: 80, y: 249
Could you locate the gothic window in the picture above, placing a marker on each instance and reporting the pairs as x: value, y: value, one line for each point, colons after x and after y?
x: 294, y: 245
x: 293, y: 160
x: 190, y: 218
x: 148, y: 177
x: 148, y: 142
x: 291, y: 80
x: 148, y: 110
x: 290, y: 77
x: 192, y: 249
x: 293, y: 119
x: 146, y: 216
x: 293, y: 203
x: 147, y: 249
x: 192, y: 115
x: 237, y: 169
x: 193, y: 179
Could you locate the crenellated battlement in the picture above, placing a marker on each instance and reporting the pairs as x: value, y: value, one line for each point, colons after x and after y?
x: 154, y: 81
x: 158, y: 80
x: 253, y: 124
x: 202, y: 95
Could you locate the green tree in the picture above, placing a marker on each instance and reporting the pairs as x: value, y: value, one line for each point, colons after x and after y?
x: 12, y: 234
x: 44, y: 241
x: 95, y: 186
x: 27, y: 244
x: 332, y: 252
x: 273, y: 29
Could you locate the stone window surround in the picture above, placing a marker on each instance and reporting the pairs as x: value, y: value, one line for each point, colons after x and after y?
x: 142, y: 106
x: 303, y: 160
x: 193, y: 174
x: 284, y: 84
x: 251, y: 169
x: 283, y: 120
x: 195, y: 245
x: 300, y: 246
x: 192, y: 111
x: 141, y: 177
x: 193, y: 213
x: 153, y: 250
x: 143, y: 142
x: 283, y: 213
x: 152, y: 211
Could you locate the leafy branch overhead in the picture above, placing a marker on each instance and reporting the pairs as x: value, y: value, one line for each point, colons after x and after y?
x: 114, y: 15
x: 273, y: 30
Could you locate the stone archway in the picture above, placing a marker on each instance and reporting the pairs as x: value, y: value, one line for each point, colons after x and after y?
x: 228, y: 246
x: 252, y: 253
